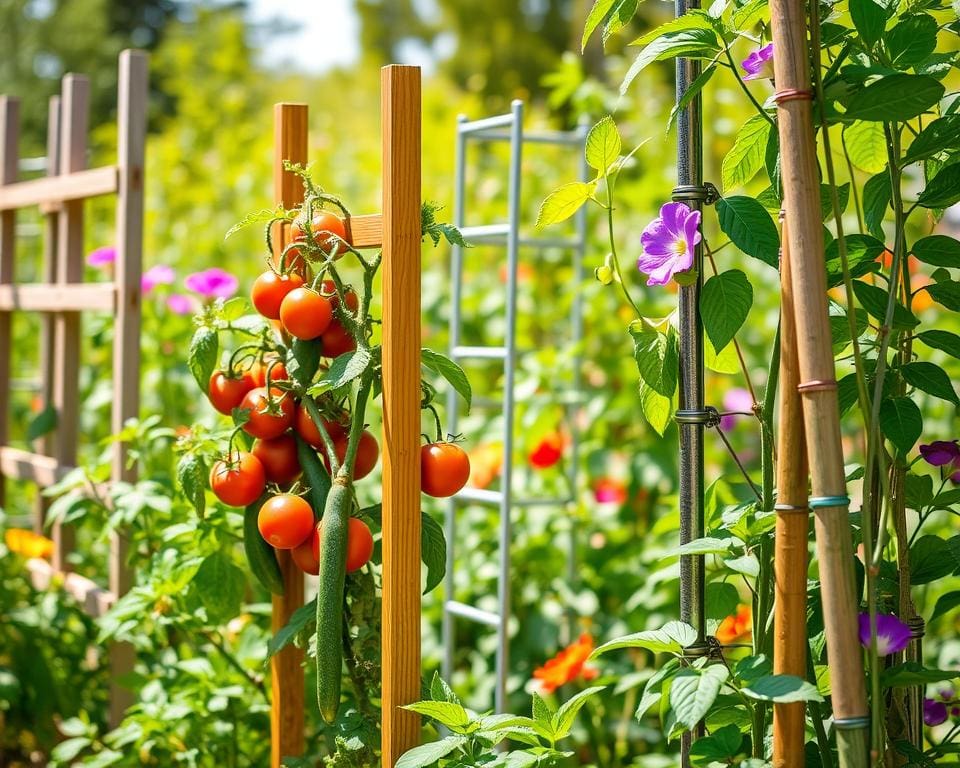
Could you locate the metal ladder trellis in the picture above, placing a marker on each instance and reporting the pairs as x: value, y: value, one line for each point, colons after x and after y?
x: 507, y: 127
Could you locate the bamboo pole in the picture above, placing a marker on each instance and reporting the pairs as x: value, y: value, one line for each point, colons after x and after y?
x: 400, y: 127
x: 790, y: 541
x: 817, y: 374
x: 286, y: 667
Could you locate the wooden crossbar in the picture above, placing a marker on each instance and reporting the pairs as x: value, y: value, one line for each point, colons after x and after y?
x: 42, y: 297
x: 94, y: 599
x: 365, y: 231
x: 52, y: 190
x: 33, y: 467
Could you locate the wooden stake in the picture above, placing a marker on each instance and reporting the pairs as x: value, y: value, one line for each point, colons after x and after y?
x: 400, y: 121
x: 790, y: 552
x: 817, y: 373
x: 9, y: 160
x: 286, y: 667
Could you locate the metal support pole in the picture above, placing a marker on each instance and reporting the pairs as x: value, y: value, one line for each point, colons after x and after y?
x: 690, y: 173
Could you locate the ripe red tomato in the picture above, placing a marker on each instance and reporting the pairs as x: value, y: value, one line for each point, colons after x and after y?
x: 278, y: 372
x: 238, y: 481
x: 324, y: 225
x: 226, y: 390
x: 305, y: 427
x: 329, y: 289
x: 307, y: 555
x: 269, y: 289
x: 359, y: 544
x: 368, y: 451
x: 444, y: 469
x: 266, y: 420
x: 279, y: 458
x: 285, y: 521
x: 337, y: 341
x: 305, y: 313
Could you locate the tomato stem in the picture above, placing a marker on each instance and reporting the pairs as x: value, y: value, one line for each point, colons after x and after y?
x: 314, y: 412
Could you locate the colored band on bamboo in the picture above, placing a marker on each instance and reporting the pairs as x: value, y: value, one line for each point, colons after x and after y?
x: 851, y: 723
x: 917, y: 627
x: 816, y: 502
x: 708, y: 416
x: 817, y: 385
x: 705, y: 193
x: 788, y: 508
x: 792, y: 94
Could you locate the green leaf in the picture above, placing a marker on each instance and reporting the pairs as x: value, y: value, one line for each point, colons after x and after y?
x: 446, y: 713
x: 441, y: 691
x: 943, y: 190
x: 299, y: 620
x: 869, y: 18
x: 707, y: 545
x: 901, y: 422
x: 563, y: 202
x: 894, y: 97
x: 938, y: 136
x: 260, y: 217
x: 931, y: 379
x: 911, y: 673
x: 42, y: 424
x: 613, y: 14
x: 750, y: 13
x: 693, y: 692
x: 673, y: 637
x: 542, y: 711
x: 229, y: 310
x: 724, y: 361
x: 946, y: 293
x: 428, y: 754
x: 930, y: 559
x: 220, y: 586
x: 724, y: 305
x: 453, y: 373
x: 563, y: 719
x: 67, y: 750
x: 657, y: 409
x: 654, y: 686
x: 945, y: 604
x: 690, y: 94
x: 748, y: 565
x: 192, y: 477
x: 782, y: 689
x: 912, y: 40
x: 202, y: 356
x: 343, y: 370
x: 721, y: 599
x: 866, y: 143
x: 603, y: 145
x: 938, y: 250
x: 746, y: 155
x: 433, y: 550
x: 826, y: 199
x: 749, y: 226
x: 692, y: 43
x: 945, y: 341
x: 862, y: 253
x: 876, y: 200
x: 874, y: 300
x: 657, y: 357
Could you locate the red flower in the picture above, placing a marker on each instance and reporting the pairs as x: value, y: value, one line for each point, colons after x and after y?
x: 548, y: 451
x: 568, y: 665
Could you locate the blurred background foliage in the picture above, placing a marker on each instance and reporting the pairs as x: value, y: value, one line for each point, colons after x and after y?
x: 209, y: 163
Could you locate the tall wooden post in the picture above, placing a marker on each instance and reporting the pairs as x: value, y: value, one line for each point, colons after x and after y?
x: 9, y: 159
x: 400, y: 127
x: 286, y: 667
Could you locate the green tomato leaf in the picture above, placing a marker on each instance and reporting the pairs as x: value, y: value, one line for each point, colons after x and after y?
x: 749, y: 226
x: 220, y: 586
x: 901, y: 422
x: 433, y: 550
x: 453, y: 373
x: 724, y: 305
x: 202, y: 356
x: 192, y: 477
x: 343, y: 370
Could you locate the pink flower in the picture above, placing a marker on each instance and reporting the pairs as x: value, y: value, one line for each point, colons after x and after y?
x: 892, y: 634
x: 179, y: 304
x: 607, y: 490
x: 101, y: 257
x: 212, y: 283
x: 759, y: 64
x: 668, y: 243
x: 158, y: 275
x: 735, y: 399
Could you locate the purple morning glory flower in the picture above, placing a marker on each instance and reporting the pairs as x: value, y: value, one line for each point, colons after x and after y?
x: 759, y: 64
x: 212, y: 283
x: 179, y: 304
x: 892, y: 634
x: 934, y: 712
x: 101, y: 257
x: 158, y: 275
x: 668, y: 243
x: 939, y: 453
x: 735, y: 399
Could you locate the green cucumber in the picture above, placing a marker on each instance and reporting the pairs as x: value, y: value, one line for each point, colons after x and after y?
x: 315, y: 476
x: 260, y: 555
x: 333, y: 572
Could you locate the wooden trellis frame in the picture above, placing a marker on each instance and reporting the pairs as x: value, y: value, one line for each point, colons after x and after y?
x: 63, y: 297
x: 397, y: 231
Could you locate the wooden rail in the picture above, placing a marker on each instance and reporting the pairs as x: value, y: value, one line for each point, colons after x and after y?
x: 76, y: 185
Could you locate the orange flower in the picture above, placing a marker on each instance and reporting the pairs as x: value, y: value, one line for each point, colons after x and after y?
x: 28, y: 543
x: 568, y: 665
x: 735, y: 627
x: 485, y: 463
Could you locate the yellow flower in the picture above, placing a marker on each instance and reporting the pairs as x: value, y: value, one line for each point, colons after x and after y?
x: 27, y: 543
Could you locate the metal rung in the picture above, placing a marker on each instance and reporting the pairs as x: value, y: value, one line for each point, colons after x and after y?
x: 485, y: 232
x: 474, y: 614
x: 475, y: 126
x: 479, y: 495
x: 540, y: 137
x: 480, y: 353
